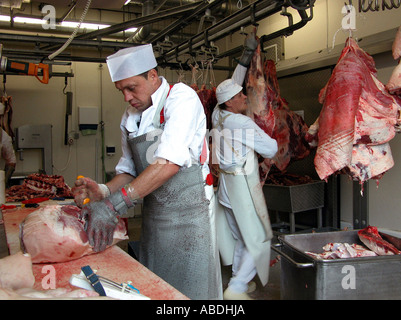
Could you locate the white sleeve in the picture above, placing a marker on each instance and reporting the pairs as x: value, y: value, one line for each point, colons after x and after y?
x: 185, y: 127
x: 239, y: 74
x: 125, y: 164
x: 259, y: 140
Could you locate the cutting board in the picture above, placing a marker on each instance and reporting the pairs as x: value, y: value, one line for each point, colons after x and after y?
x: 113, y: 263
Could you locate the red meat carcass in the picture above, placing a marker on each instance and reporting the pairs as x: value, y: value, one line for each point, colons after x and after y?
x: 271, y: 113
x: 357, y: 120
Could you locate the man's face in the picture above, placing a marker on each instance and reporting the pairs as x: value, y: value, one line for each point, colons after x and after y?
x: 137, y: 90
x: 237, y: 104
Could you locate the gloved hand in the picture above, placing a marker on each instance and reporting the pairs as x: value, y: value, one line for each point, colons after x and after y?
x: 87, y: 188
x: 250, y: 45
x: 102, y: 217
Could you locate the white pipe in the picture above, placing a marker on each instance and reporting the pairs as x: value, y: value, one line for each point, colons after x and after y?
x: 74, y: 33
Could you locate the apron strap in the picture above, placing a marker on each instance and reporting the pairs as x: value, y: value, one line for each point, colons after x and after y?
x: 162, y: 110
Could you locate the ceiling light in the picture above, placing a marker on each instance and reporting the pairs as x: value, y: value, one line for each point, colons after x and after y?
x: 27, y: 20
x: 67, y: 24
x: 126, y: 2
x: 93, y: 26
x: 4, y: 18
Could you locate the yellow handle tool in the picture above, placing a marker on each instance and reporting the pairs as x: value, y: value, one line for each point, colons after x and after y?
x: 86, y: 200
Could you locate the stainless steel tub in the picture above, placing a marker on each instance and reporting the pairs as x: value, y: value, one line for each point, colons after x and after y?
x: 305, y: 277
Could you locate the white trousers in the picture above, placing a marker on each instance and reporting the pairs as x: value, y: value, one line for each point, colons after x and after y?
x: 243, y: 268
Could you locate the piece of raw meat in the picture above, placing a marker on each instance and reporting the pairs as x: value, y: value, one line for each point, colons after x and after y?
x: 271, y: 113
x: 55, y: 233
x: 396, y: 48
x: 342, y: 251
x: 209, y: 101
x: 52, y: 294
x: 358, y: 118
x: 39, y: 185
x: 16, y: 272
x: 259, y: 97
x: 394, y: 83
x: 372, y: 239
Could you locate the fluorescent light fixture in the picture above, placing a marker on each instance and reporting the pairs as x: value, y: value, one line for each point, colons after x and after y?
x: 67, y: 24
x: 27, y: 20
x: 126, y: 2
x: 4, y: 18
x: 131, y: 30
x: 71, y: 24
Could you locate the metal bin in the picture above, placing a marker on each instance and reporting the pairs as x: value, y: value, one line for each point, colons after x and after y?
x: 305, y: 277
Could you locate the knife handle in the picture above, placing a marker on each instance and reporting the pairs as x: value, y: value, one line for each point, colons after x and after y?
x: 86, y: 200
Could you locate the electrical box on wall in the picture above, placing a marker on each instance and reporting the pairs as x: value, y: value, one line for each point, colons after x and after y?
x: 88, y: 120
x: 110, y: 150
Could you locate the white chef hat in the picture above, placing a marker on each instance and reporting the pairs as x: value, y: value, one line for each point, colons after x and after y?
x: 226, y: 90
x: 130, y: 62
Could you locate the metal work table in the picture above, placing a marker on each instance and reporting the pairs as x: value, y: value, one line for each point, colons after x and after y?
x: 294, y: 199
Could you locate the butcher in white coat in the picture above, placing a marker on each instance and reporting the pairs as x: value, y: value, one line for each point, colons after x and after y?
x: 165, y: 162
x: 236, y: 142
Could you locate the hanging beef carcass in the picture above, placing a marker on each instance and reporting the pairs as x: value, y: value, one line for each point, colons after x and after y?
x: 271, y: 113
x: 55, y: 233
x: 209, y: 101
x: 394, y: 84
x: 357, y: 120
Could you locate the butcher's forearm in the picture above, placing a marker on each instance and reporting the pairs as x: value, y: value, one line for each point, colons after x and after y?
x: 154, y: 176
x: 118, y: 181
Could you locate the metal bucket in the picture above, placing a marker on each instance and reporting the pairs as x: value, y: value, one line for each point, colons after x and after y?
x: 305, y: 277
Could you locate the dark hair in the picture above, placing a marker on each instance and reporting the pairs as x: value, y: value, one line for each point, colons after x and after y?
x: 223, y: 106
x: 145, y: 74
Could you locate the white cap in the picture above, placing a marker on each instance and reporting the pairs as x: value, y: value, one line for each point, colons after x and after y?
x: 130, y: 62
x: 226, y: 90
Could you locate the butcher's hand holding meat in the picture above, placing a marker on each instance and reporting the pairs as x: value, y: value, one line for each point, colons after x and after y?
x: 101, y: 217
x: 86, y: 188
x: 250, y: 45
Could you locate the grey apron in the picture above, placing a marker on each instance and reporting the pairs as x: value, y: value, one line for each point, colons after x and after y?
x: 249, y: 207
x: 176, y: 241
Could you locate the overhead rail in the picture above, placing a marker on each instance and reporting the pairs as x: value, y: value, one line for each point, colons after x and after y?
x: 287, y: 31
x: 176, y: 26
x: 249, y: 15
x: 139, y: 22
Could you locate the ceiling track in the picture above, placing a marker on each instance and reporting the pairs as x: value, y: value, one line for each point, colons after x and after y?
x: 139, y: 22
x: 249, y: 15
x: 185, y: 20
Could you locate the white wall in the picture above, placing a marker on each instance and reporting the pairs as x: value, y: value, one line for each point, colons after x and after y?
x: 37, y: 103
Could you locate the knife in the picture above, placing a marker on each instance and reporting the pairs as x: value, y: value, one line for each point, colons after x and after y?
x: 86, y: 200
